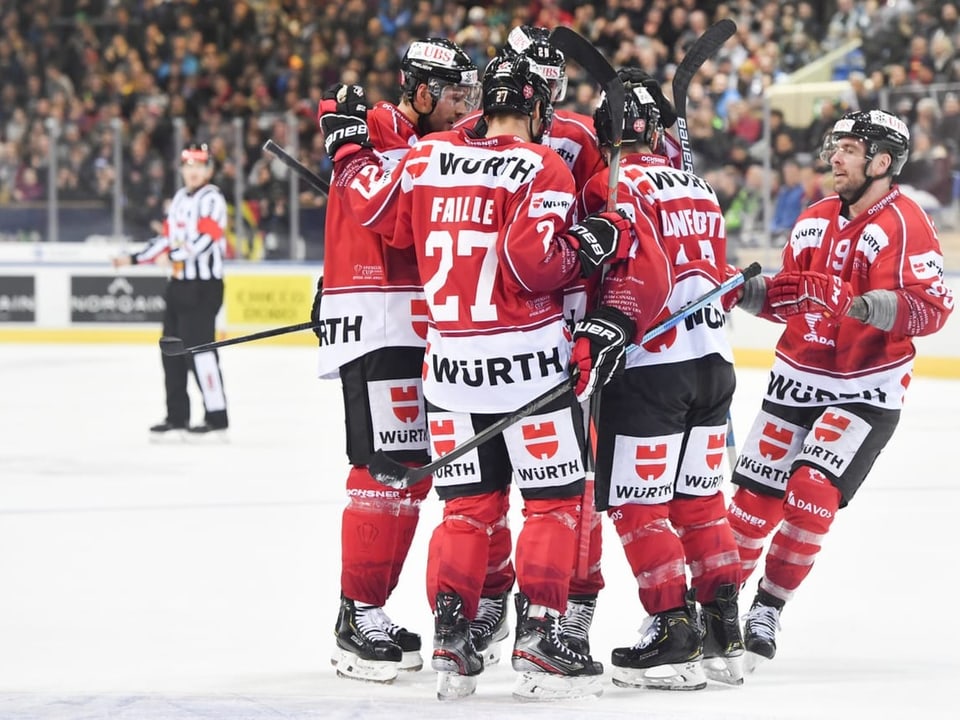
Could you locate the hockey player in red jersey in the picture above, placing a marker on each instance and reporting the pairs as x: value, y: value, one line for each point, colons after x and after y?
x: 661, y: 432
x: 572, y: 136
x: 372, y: 318
x: 862, y: 276
x: 488, y: 219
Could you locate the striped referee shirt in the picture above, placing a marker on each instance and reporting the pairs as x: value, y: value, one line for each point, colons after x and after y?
x: 194, y: 235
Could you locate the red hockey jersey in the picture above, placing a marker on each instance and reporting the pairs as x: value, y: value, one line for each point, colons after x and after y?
x: 891, y: 246
x: 371, y: 292
x: 485, y: 217
x: 677, y: 220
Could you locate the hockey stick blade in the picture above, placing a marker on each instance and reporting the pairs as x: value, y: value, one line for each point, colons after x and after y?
x: 387, y: 471
x: 577, y: 48
x: 170, y: 345
x: 317, y: 182
x: 702, y: 50
x: 174, y: 346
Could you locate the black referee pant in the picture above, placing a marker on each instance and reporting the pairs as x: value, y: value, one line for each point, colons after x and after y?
x: 192, y: 307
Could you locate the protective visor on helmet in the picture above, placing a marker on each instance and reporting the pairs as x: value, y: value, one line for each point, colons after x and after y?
x: 467, y: 91
x: 555, y: 77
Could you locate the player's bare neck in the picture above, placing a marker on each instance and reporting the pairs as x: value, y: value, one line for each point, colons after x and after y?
x: 878, y: 188
x: 518, y: 125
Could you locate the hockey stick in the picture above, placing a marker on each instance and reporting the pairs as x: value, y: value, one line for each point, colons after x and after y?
x: 170, y: 345
x: 298, y: 167
x: 583, y: 52
x: 702, y: 50
x: 388, y: 471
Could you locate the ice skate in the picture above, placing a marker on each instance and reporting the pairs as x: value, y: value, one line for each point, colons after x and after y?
x: 668, y: 654
x: 489, y: 627
x: 409, y: 643
x: 576, y: 621
x: 455, y: 659
x: 168, y: 433
x: 760, y: 626
x: 722, y: 640
x: 364, y: 649
x: 549, y: 669
x: 207, y: 434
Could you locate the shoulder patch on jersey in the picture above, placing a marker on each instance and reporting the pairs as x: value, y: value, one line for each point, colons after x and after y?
x: 550, y: 203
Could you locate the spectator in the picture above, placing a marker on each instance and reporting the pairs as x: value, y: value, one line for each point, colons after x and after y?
x: 789, y: 200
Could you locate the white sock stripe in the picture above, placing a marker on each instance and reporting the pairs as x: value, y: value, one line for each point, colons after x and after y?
x: 661, y: 574
x: 748, y: 542
x: 657, y: 526
x: 713, y: 562
x: 794, y: 558
x: 800, y: 535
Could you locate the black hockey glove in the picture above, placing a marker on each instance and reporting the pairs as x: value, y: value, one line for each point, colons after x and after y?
x: 315, y: 310
x: 599, y: 349
x: 600, y: 238
x: 342, y: 117
x: 636, y: 76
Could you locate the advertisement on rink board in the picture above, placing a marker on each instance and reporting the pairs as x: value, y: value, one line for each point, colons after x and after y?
x: 18, y: 299
x: 268, y: 299
x: 117, y: 299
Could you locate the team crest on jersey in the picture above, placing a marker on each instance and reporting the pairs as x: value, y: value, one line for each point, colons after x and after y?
x: 540, y: 439
x: 715, y: 445
x: 775, y: 442
x: 406, y: 402
x: 651, y: 461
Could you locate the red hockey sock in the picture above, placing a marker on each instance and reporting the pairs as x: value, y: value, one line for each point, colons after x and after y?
x: 810, y: 506
x: 546, y: 548
x: 752, y: 517
x: 460, y: 548
x: 368, y: 533
x: 654, y: 553
x: 710, y: 549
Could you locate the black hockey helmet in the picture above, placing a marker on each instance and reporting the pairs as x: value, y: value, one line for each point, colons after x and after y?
x: 438, y: 62
x: 546, y: 60
x: 641, y: 116
x: 196, y: 154
x: 880, y: 132
x: 510, y: 85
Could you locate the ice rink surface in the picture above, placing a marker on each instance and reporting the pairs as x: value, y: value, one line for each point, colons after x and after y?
x: 142, y: 581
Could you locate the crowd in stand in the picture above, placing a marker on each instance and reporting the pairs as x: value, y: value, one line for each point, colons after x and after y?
x: 68, y: 68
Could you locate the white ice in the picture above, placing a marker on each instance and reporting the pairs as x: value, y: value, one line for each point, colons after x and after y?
x: 141, y: 581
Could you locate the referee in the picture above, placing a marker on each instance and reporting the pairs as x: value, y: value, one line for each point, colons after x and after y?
x: 192, y: 246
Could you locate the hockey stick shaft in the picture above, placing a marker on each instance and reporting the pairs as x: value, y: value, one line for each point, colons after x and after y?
x: 390, y: 472
x: 702, y: 50
x: 174, y: 345
x: 576, y: 47
x: 317, y: 182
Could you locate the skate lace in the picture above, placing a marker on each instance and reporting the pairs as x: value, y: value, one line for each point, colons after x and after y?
x: 577, y: 620
x: 374, y: 623
x: 649, y: 631
x: 489, y: 615
x: 564, y: 649
x: 763, y: 621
